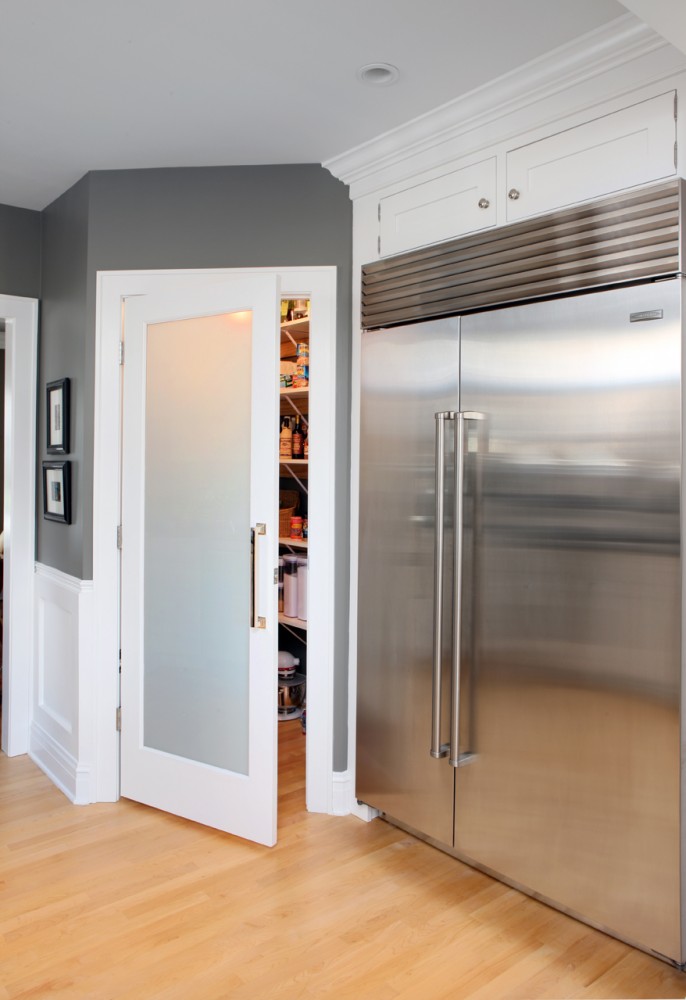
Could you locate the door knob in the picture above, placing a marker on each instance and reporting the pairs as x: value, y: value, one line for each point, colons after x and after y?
x: 513, y: 194
x: 484, y: 203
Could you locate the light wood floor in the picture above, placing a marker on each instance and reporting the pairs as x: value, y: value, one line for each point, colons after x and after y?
x: 112, y: 901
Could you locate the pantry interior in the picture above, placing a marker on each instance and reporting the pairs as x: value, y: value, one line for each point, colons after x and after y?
x: 294, y: 390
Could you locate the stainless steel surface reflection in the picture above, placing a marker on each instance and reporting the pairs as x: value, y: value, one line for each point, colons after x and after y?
x: 407, y: 376
x: 574, y: 651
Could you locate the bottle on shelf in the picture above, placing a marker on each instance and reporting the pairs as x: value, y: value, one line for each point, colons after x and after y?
x: 286, y: 439
x: 306, y: 446
x: 298, y: 439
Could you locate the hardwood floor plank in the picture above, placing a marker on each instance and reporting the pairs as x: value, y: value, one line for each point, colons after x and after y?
x: 117, y: 900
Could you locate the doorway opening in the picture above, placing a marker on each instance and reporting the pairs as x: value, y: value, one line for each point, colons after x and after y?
x: 20, y: 319
x: 294, y: 511
x: 2, y: 481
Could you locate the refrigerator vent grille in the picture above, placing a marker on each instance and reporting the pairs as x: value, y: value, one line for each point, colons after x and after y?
x: 630, y: 237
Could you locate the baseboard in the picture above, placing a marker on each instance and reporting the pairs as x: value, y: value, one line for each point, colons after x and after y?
x: 342, y: 790
x: 77, y: 782
x: 364, y: 812
x: 344, y: 802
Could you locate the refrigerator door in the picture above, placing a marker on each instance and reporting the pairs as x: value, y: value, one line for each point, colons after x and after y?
x: 572, y: 791
x: 408, y: 374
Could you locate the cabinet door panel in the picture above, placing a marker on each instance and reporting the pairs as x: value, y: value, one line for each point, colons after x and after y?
x: 459, y: 202
x: 628, y: 147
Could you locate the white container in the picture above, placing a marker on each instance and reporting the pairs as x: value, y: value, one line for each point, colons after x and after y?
x: 290, y: 586
x: 302, y: 588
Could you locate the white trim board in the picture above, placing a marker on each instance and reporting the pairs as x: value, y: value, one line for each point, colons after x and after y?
x: 21, y: 359
x: 318, y: 284
x: 625, y: 53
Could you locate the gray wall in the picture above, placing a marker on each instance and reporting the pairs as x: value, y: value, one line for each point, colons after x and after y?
x: 20, y: 251
x: 65, y: 345
x: 259, y: 216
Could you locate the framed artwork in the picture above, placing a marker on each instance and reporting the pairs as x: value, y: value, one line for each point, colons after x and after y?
x: 57, y: 491
x: 58, y: 416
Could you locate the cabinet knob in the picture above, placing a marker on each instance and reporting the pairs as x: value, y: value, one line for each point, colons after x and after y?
x: 484, y: 203
x: 513, y: 194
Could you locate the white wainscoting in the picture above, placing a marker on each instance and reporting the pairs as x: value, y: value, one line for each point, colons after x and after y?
x: 61, y: 736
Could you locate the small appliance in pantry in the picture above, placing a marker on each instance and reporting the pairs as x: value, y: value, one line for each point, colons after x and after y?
x: 292, y: 687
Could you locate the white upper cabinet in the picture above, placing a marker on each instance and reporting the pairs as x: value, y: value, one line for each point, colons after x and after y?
x: 620, y: 150
x: 453, y: 204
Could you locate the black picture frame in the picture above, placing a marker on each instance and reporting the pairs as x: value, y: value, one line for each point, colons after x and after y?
x: 58, y: 414
x: 57, y: 491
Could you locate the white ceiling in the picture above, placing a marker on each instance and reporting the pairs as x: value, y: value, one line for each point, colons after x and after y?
x: 97, y: 84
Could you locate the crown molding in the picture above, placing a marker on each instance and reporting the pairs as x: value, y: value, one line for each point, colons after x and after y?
x: 620, y: 41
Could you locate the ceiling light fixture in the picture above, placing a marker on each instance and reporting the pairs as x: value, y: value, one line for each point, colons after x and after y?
x: 378, y: 74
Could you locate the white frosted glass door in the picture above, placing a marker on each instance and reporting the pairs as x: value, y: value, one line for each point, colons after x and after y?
x: 196, y: 591
x: 199, y: 474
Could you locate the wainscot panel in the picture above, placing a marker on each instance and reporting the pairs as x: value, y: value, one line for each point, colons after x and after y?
x: 61, y: 736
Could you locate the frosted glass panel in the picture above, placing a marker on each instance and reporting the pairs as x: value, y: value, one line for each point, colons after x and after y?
x: 197, y: 539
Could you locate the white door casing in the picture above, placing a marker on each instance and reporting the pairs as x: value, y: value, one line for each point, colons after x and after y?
x: 318, y: 284
x: 21, y: 359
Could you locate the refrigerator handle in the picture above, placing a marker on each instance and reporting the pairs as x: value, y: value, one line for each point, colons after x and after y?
x: 455, y: 758
x: 458, y: 522
x: 438, y: 749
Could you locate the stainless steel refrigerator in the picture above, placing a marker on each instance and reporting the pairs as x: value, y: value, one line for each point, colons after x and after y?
x: 520, y: 597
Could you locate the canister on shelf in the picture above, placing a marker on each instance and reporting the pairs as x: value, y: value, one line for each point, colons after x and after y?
x: 305, y: 528
x: 302, y: 588
x: 296, y: 526
x: 301, y: 378
x: 290, y: 586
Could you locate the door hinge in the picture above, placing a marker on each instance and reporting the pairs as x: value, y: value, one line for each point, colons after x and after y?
x: 676, y: 99
x: 119, y: 536
x: 675, y: 155
x: 121, y: 352
x: 378, y: 245
x: 379, y: 212
x: 118, y: 719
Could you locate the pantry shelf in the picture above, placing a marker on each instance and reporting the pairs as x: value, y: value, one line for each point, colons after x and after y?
x: 300, y: 326
x: 300, y: 393
x: 293, y: 622
x: 294, y: 543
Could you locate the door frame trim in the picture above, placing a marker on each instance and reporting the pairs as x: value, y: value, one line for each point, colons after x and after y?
x: 319, y: 284
x: 21, y: 366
